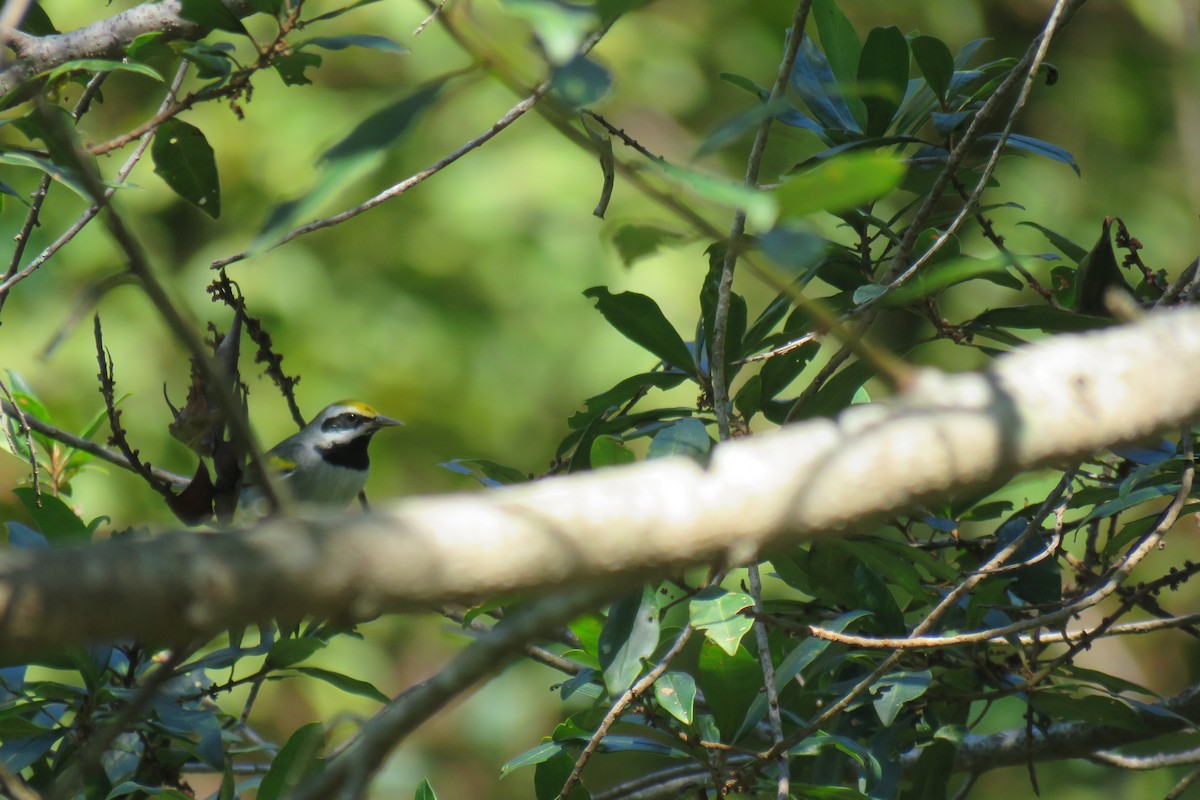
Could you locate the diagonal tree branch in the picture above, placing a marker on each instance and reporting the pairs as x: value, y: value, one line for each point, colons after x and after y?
x: 106, y: 38
x: 1047, y: 403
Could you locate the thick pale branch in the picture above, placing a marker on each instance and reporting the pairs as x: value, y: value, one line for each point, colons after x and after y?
x: 1050, y: 402
x: 1074, y: 739
x: 104, y: 39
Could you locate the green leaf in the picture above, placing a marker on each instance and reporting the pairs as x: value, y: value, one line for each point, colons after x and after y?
x: 339, y: 11
x: 1042, y: 317
x: 838, y: 39
x: 1037, y: 147
x: 732, y: 129
x: 676, y: 694
x: 147, y: 46
x: 66, y: 177
x: 347, y: 160
x: 380, y: 130
x: 932, y: 772
x: 580, y: 82
x: 424, y: 791
x: 837, y: 393
x: 795, y: 663
x: 1098, y: 272
x: 895, y: 690
x: 345, y: 683
x: 684, y: 437
x: 779, y: 371
x: 54, y: 518
x: 794, y: 247
x: 100, y: 65
x: 609, y: 451
x: 489, y: 473
x: 287, y: 652
x: 212, y: 14
x: 550, y: 775
x: 716, y: 612
x: 291, y: 67
x: 1092, y: 709
x: 760, y: 207
x: 639, y: 319
x: 560, y: 27
x: 212, y: 61
x: 815, y: 82
x: 534, y: 755
x: 729, y: 684
x: 635, y: 242
x: 1065, y: 246
x: 630, y: 634
x: 184, y: 159
x: 621, y: 394
x: 367, y: 40
x: 944, y: 274
x: 883, y: 76
x: 936, y: 63
x: 840, y: 183
x: 1129, y: 500
x: 296, y: 764
x: 874, y: 595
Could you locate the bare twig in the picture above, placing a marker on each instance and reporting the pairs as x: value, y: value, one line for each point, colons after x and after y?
x: 97, y: 744
x: 90, y: 447
x: 24, y: 428
x: 348, y: 773
x: 720, y: 387
x: 640, y: 687
x: 783, y: 779
x: 15, y: 276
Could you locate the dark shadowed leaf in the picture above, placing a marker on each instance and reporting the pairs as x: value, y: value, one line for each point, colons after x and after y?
x: 367, y: 40
x: 1037, y: 147
x: 817, y: 86
x: 296, y: 764
x: 212, y: 14
x: 883, y: 76
x: 184, y: 159
x: 936, y: 63
x: 639, y: 318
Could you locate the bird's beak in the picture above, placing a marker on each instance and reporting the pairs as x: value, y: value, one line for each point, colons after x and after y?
x: 386, y: 422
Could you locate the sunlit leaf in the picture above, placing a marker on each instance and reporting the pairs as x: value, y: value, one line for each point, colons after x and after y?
x: 716, y: 611
x: 839, y: 184
x: 630, y: 635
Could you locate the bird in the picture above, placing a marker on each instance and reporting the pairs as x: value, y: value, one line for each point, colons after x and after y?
x: 325, y: 463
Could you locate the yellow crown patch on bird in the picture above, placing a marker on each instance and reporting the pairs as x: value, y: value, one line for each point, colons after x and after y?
x: 326, y: 462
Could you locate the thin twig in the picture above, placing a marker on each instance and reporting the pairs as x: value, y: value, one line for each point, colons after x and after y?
x: 509, y: 117
x: 98, y: 742
x: 783, y: 779
x: 88, y: 215
x: 24, y: 422
x: 949, y: 601
x: 720, y: 387
x: 348, y: 773
x: 87, y: 446
x: 1025, y: 71
x: 640, y: 687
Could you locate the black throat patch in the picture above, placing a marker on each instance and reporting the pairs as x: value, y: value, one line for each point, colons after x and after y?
x: 351, y: 454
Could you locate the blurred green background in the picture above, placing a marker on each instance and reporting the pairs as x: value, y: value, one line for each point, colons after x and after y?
x: 458, y: 307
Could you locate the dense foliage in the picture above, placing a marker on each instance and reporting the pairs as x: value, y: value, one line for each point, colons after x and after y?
x: 872, y: 231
